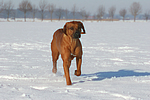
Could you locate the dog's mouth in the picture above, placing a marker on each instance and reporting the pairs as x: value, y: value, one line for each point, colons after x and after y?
x: 77, y: 35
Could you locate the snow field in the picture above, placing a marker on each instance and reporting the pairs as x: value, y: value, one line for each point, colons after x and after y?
x: 116, y: 62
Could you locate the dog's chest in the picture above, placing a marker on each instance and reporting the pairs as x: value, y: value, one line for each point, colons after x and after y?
x: 73, y: 47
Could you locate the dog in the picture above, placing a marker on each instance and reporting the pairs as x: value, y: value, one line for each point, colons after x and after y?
x: 66, y: 43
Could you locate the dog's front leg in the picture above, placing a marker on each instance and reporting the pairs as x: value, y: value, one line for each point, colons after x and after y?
x: 66, y: 65
x: 78, y: 62
x: 66, y: 70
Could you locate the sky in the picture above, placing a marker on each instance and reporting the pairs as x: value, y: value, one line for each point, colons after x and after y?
x: 91, y: 5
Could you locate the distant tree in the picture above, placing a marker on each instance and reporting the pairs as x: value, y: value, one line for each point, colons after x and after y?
x: 1, y: 6
x: 8, y: 7
x: 122, y: 13
x: 51, y: 8
x: 74, y: 10
x: 135, y: 9
x: 87, y: 14
x: 25, y: 6
x: 82, y: 13
x: 66, y: 12
x: 42, y: 5
x: 100, y: 12
x: 112, y: 11
x: 59, y: 12
x: 14, y: 14
x: 34, y: 11
x: 94, y: 16
x: 146, y: 15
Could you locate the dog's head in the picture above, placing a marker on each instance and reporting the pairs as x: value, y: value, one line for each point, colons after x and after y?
x: 74, y: 29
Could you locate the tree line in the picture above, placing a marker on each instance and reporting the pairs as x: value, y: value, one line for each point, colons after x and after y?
x: 26, y: 6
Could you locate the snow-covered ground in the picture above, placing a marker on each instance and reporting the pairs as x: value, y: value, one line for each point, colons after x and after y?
x: 116, y: 62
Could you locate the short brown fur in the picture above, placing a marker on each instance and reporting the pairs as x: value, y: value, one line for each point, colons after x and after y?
x: 68, y: 47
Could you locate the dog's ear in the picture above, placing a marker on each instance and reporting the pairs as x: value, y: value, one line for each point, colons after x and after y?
x: 64, y: 29
x: 82, y: 26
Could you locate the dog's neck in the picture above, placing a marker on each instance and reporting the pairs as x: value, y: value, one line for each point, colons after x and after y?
x: 69, y: 40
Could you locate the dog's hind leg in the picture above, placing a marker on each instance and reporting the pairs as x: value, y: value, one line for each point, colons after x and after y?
x: 55, y: 56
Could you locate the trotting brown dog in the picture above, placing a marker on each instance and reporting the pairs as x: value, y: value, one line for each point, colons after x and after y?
x: 66, y: 42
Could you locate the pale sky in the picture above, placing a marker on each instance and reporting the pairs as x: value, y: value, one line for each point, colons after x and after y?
x: 91, y: 5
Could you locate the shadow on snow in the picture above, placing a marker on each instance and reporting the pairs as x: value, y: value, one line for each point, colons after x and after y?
x: 120, y: 73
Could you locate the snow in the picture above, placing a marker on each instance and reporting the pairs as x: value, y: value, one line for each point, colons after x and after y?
x: 116, y: 62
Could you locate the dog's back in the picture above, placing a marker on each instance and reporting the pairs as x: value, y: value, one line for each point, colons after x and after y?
x: 58, y: 33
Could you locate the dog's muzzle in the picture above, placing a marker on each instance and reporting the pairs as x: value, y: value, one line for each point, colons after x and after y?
x: 76, y: 35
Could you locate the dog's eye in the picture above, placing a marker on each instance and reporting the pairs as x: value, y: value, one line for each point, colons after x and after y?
x: 72, y: 28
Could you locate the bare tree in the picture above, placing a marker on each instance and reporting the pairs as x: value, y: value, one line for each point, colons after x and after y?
x: 34, y: 11
x: 8, y: 7
x: 25, y: 6
x: 1, y: 6
x: 87, y: 14
x: 42, y: 6
x: 74, y: 9
x: 112, y: 11
x: 59, y: 12
x: 82, y: 13
x: 101, y: 12
x: 66, y: 12
x: 94, y: 16
x: 14, y: 14
x: 135, y: 9
x: 51, y: 8
x: 147, y: 14
x: 122, y: 13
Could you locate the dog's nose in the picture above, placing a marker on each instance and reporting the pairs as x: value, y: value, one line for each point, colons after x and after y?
x: 77, y: 35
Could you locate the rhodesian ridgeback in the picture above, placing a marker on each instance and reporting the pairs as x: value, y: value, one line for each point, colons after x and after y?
x: 67, y: 44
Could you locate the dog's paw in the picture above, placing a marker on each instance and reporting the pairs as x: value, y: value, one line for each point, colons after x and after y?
x: 54, y: 70
x: 69, y: 83
x: 77, y: 73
